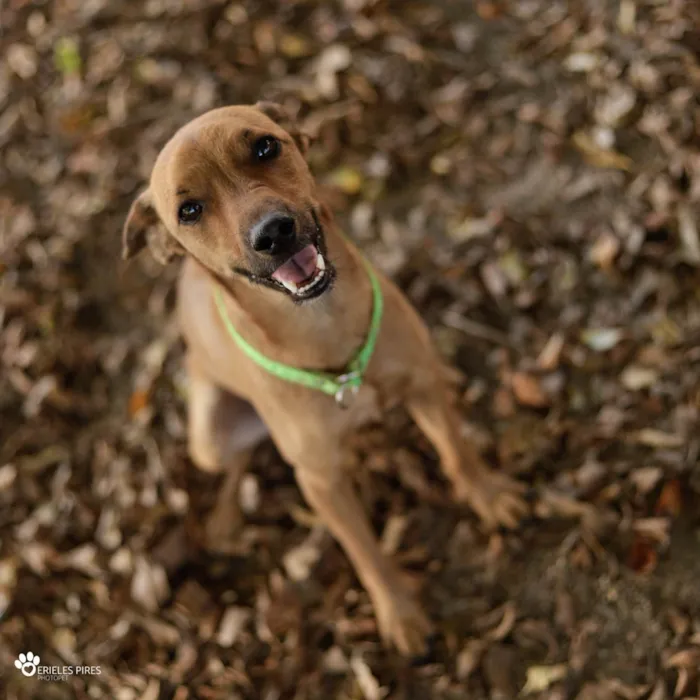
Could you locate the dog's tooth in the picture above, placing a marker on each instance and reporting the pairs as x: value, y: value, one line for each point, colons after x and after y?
x: 318, y: 276
x: 316, y: 279
x: 320, y: 262
x: 291, y: 286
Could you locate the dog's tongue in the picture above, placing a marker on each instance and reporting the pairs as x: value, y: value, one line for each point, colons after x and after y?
x: 299, y: 267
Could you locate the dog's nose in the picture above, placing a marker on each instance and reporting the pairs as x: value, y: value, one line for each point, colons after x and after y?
x: 273, y: 233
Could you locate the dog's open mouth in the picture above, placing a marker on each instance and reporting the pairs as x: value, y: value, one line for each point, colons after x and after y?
x: 304, y: 275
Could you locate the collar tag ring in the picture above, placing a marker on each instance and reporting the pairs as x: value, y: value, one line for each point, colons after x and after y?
x: 348, y: 389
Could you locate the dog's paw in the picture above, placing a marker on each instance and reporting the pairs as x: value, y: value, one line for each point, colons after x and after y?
x: 403, y: 624
x: 495, y: 498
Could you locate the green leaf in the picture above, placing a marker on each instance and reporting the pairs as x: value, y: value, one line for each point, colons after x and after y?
x: 66, y: 57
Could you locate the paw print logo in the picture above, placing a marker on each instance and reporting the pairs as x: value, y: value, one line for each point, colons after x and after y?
x: 27, y: 663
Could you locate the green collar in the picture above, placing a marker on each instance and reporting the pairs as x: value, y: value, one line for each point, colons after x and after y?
x: 334, y: 385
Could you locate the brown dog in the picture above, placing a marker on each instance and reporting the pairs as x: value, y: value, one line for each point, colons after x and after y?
x: 232, y: 191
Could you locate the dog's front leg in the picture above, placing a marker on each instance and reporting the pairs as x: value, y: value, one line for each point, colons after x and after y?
x: 495, y: 497
x: 400, y: 619
x: 225, y: 519
x: 222, y: 431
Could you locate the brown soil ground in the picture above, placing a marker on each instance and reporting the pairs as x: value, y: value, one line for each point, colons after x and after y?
x: 529, y: 173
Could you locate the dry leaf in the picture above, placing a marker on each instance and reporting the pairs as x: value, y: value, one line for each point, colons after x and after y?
x: 488, y: 10
x: 601, y: 339
x: 333, y: 59
x: 615, y: 105
x: 670, y: 500
x: 550, y: 355
x: 666, y: 332
x: 636, y: 378
x: 590, y: 475
x: 505, y: 626
x: 162, y: 633
x: 335, y: 662
x: 627, y: 16
x: 299, y: 560
x: 582, y: 62
x: 658, y: 438
x: 347, y: 179
x: 642, y: 557
x: 469, y: 658
x: 513, y: 268
x: 152, y: 692
x: 471, y: 227
x: 625, y: 691
x: 149, y: 584
x: 232, y: 623
x: 8, y: 474
x: 688, y: 231
x: 440, y: 164
x: 63, y: 640
x: 605, y: 250
x: 249, y: 494
x: 528, y: 391
x: 685, y: 658
x: 540, y: 678
x: 37, y: 556
x: 678, y: 622
x: 646, y: 478
x: 8, y: 583
x: 393, y: 532
x: 599, y: 157
x: 295, y: 46
x: 137, y: 402
x: 23, y: 60
x: 682, y: 682
x: 368, y: 684
x: 83, y: 558
x: 653, y: 529
x: 659, y: 691
x: 503, y: 403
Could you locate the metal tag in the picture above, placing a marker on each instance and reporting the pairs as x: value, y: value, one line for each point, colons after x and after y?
x: 345, y: 394
x: 347, y: 391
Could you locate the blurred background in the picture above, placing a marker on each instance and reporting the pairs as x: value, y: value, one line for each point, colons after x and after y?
x: 529, y: 173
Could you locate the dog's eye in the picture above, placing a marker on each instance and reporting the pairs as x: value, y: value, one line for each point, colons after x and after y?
x: 189, y: 212
x: 266, y: 148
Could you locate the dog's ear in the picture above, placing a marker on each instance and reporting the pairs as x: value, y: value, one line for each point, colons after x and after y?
x: 280, y: 116
x: 140, y: 218
x: 143, y: 227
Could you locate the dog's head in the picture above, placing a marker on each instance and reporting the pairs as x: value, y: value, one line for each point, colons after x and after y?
x: 233, y: 190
